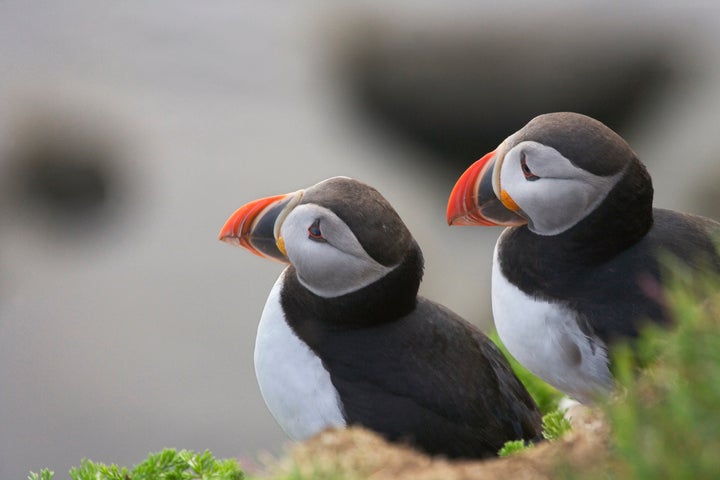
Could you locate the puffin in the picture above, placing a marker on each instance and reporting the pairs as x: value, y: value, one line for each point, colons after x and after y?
x: 344, y: 339
x: 579, y: 265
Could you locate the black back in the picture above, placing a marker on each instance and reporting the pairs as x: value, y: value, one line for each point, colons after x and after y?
x: 613, y: 288
x: 411, y: 369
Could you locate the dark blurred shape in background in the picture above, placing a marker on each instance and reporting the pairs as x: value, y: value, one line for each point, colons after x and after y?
x: 460, y: 92
x: 63, y: 169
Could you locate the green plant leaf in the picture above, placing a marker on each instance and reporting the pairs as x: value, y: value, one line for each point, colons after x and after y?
x: 514, y: 446
x: 555, y: 425
x: 45, y: 474
x: 168, y: 464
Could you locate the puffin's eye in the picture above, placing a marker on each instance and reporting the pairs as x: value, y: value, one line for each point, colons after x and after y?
x: 314, y: 232
x: 529, y: 175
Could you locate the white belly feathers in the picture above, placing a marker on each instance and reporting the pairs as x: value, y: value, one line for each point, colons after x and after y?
x: 293, y: 381
x: 547, y: 340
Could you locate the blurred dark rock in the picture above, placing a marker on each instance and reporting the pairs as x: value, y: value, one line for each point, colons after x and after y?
x: 64, y: 168
x: 459, y: 93
x: 69, y: 180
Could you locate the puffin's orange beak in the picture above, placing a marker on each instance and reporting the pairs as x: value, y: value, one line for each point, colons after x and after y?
x: 473, y: 200
x: 256, y: 225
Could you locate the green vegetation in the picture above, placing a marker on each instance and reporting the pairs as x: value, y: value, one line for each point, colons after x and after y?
x: 166, y: 465
x: 555, y: 425
x: 666, y: 422
x: 512, y: 447
x: 45, y: 474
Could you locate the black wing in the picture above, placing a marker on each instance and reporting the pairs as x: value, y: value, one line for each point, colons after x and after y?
x: 628, y: 290
x: 432, y: 379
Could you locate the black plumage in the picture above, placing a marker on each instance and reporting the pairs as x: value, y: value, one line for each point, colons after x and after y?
x: 402, y: 364
x: 614, y: 291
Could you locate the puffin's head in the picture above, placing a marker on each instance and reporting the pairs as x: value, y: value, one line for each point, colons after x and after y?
x: 340, y: 234
x: 551, y: 174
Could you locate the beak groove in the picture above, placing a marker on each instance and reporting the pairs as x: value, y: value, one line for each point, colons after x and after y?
x: 473, y: 200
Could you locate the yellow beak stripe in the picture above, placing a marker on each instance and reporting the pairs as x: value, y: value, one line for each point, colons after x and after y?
x: 507, y: 200
x: 280, y: 243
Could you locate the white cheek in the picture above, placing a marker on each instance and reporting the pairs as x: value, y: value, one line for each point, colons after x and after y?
x: 561, y: 198
x: 326, y: 270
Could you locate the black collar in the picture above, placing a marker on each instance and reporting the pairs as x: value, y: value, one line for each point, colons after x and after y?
x: 390, y: 298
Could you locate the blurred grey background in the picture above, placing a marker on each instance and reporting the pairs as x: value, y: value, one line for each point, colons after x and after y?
x: 129, y: 131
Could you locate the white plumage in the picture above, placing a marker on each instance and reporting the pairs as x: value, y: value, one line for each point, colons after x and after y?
x: 294, y: 383
x: 546, y: 339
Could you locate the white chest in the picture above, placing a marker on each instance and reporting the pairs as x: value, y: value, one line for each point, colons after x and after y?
x: 293, y: 381
x: 546, y: 339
